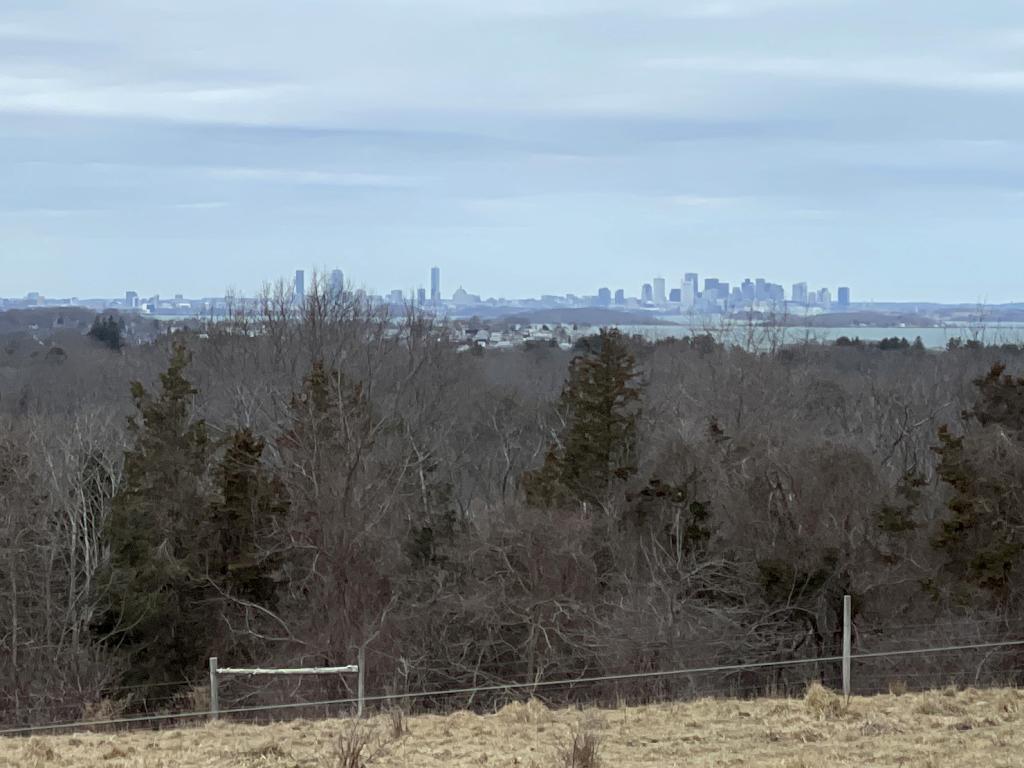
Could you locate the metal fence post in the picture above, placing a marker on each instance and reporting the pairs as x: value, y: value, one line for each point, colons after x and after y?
x: 361, y: 689
x: 847, y: 635
x: 214, y: 693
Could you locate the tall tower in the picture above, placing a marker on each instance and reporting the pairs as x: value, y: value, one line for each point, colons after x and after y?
x: 337, y: 281
x: 659, y: 290
x: 300, y: 285
x: 435, y: 283
x: 688, y: 294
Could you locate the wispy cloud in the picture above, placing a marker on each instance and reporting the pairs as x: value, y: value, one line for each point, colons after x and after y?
x: 201, y: 206
x: 177, y: 101
x: 304, y: 176
x: 1011, y: 38
x: 693, y: 9
x: 910, y: 73
x: 702, y: 201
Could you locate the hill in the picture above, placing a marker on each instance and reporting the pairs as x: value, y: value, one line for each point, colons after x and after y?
x: 967, y: 729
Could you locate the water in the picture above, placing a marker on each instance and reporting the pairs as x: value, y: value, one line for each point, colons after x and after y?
x: 761, y: 337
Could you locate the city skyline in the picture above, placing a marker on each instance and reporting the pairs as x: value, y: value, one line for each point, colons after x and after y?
x: 331, y: 275
x: 301, y: 281
x: 524, y: 145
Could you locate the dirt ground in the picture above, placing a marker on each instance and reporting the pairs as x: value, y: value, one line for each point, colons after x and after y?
x: 965, y: 729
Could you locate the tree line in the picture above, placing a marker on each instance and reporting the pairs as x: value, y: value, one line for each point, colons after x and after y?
x: 291, y: 485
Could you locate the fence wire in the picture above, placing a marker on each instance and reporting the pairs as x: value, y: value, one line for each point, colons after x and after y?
x: 533, y: 686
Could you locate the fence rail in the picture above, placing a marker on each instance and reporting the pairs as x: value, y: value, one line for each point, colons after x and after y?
x: 846, y: 659
x: 216, y: 672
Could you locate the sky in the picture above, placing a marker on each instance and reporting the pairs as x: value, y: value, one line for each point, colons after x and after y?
x: 523, y: 146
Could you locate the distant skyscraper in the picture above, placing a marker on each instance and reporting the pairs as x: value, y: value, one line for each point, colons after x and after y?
x: 131, y: 299
x: 799, y: 293
x: 844, y: 296
x: 760, y: 289
x: 675, y: 295
x: 711, y: 288
x: 646, y: 293
x: 300, y: 285
x: 604, y: 297
x: 688, y: 294
x: 396, y: 296
x: 747, y: 289
x: 825, y: 297
x: 692, y: 277
x: 659, y: 290
x: 620, y: 297
x: 421, y: 296
x: 337, y: 281
x: 435, y: 283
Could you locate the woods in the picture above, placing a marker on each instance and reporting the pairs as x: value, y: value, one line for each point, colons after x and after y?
x: 294, y: 484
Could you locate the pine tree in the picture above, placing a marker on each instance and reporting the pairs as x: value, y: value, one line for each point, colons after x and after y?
x: 600, y: 404
x: 108, y: 331
x: 984, y: 469
x: 154, y: 582
x: 669, y: 513
x: 248, y: 502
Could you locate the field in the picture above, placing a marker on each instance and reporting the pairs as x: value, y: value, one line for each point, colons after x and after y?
x: 942, y: 728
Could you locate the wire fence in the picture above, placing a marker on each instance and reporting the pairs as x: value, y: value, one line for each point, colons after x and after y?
x: 874, y: 671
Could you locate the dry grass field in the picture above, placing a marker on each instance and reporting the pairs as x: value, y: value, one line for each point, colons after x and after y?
x: 965, y: 729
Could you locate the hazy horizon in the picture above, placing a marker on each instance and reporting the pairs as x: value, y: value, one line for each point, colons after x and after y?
x: 524, y: 146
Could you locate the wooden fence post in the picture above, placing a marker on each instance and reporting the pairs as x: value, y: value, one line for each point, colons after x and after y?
x: 214, y: 692
x: 361, y: 706
x: 847, y: 636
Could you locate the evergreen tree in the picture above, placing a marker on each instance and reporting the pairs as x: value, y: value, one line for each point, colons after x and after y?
x: 108, y: 331
x: 600, y: 406
x: 669, y: 513
x: 984, y: 468
x: 248, y: 502
x: 1001, y: 400
x: 154, y: 581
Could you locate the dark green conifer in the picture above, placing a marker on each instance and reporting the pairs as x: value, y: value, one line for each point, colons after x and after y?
x: 248, y: 502
x: 600, y: 405
x: 980, y: 536
x: 108, y: 331
x: 153, y: 584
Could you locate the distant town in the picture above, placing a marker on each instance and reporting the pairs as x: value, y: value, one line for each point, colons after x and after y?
x: 660, y: 300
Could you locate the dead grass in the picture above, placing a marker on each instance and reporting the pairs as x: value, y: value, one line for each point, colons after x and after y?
x: 825, y: 704
x: 582, y: 752
x: 942, y: 729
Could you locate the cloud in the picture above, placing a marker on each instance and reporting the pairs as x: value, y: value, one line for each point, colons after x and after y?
x: 201, y: 206
x: 688, y: 9
x: 178, y: 101
x: 52, y: 212
x: 902, y: 72
x: 309, y: 177
x: 1010, y: 38
x: 702, y: 201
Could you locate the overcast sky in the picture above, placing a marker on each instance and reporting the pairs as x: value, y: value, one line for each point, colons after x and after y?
x: 524, y: 146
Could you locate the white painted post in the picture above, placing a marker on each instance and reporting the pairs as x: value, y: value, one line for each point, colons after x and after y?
x: 361, y: 686
x: 214, y: 693
x: 847, y: 616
